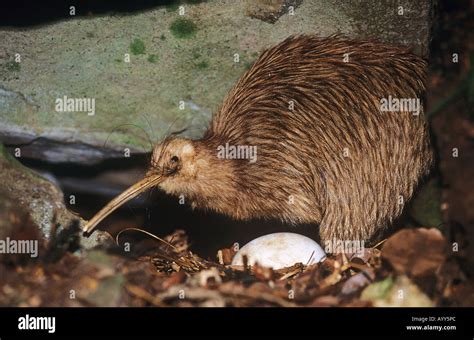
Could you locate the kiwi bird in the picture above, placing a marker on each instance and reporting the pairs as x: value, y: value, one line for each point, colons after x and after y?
x: 327, y: 152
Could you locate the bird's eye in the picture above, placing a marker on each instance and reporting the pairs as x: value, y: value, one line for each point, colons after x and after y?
x: 174, y: 159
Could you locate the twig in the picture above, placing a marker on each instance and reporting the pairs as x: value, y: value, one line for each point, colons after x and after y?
x: 145, y: 232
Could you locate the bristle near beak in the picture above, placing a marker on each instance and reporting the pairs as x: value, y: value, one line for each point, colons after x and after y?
x: 136, y: 189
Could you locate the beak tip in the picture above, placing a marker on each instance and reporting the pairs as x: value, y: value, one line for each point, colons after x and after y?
x: 87, y: 231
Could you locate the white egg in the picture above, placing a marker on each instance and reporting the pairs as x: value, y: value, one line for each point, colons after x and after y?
x: 280, y: 250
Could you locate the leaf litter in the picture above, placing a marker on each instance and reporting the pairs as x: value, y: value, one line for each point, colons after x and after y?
x: 414, y: 267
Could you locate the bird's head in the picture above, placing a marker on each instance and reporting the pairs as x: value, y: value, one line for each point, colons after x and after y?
x: 174, y: 166
x: 174, y: 159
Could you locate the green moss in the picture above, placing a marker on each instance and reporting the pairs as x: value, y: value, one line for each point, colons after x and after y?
x: 378, y: 290
x: 153, y: 58
x: 7, y: 160
x: 3, y: 151
x: 13, y: 66
x: 202, y: 65
x: 183, y: 28
x: 137, y: 47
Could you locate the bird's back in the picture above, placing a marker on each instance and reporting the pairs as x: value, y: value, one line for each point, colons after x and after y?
x: 328, y: 150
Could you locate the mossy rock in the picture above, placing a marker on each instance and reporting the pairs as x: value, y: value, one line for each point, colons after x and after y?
x: 139, y: 100
x: 38, y: 200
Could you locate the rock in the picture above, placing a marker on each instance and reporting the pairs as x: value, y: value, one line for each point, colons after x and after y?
x: 270, y: 10
x: 26, y: 196
x: 16, y: 225
x: 42, y: 200
x: 85, y: 57
x: 401, y: 23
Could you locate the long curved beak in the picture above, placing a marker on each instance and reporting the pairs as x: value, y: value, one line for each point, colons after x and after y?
x: 136, y: 189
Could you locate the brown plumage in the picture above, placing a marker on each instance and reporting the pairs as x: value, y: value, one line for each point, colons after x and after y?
x: 326, y: 153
